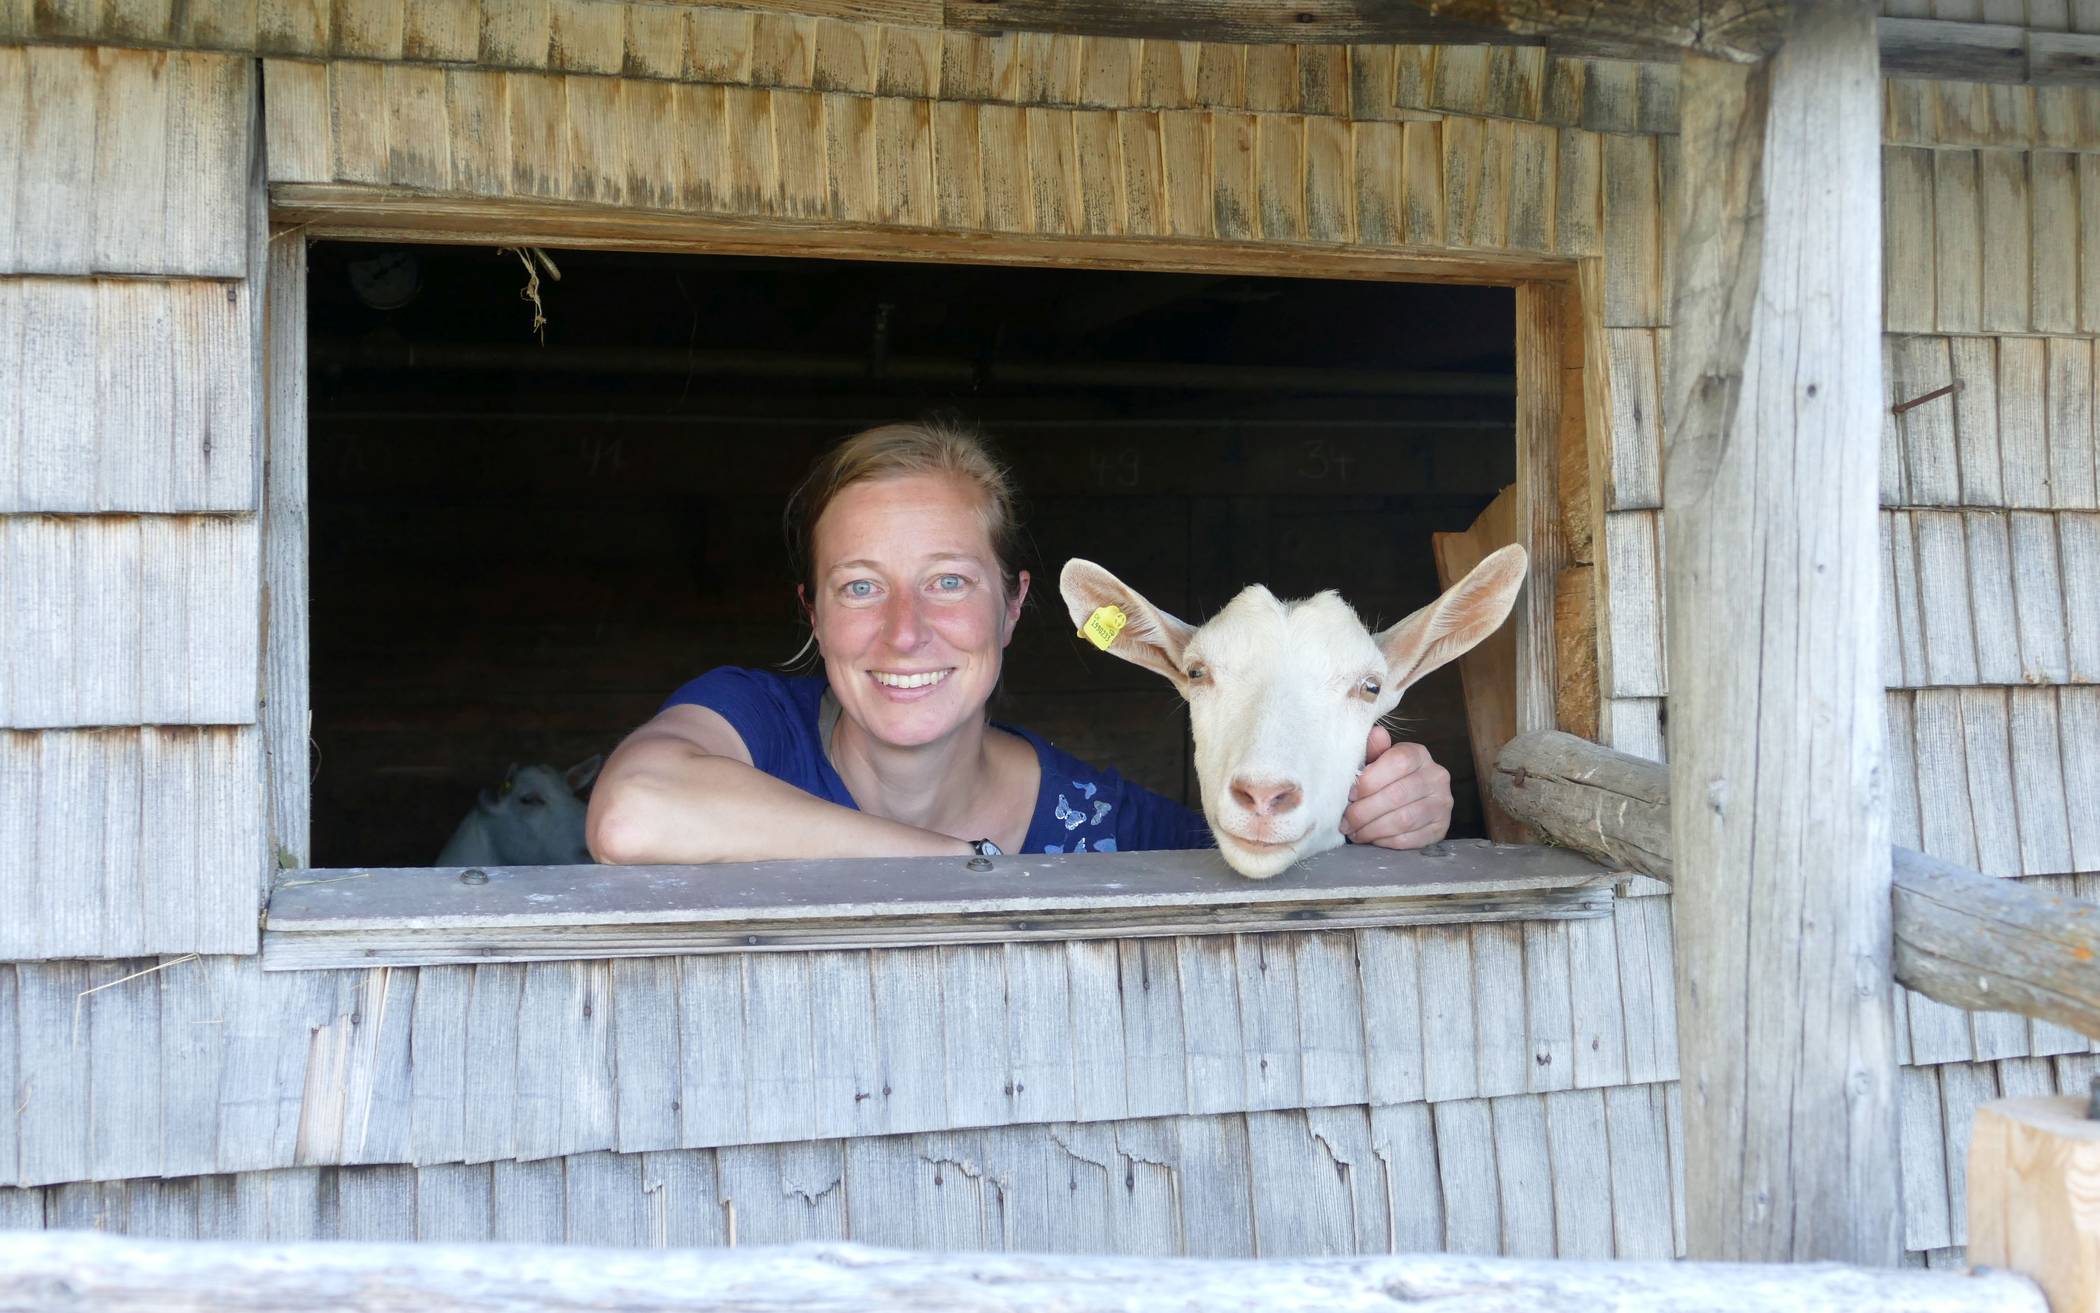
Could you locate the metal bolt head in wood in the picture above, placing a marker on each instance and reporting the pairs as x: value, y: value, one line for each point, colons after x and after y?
x: 2034, y: 1196
x: 474, y: 876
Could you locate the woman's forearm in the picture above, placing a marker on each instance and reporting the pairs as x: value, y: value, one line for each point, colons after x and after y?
x: 667, y: 802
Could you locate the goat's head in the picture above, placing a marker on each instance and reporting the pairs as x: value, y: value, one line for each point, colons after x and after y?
x: 1282, y: 695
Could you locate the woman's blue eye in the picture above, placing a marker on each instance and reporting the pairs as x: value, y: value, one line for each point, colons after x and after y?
x: 949, y: 583
x: 860, y: 588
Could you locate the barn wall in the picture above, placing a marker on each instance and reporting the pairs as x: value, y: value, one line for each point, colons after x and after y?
x: 1991, y: 493
x: 212, y: 1065
x: 1576, y: 1174
x: 130, y: 770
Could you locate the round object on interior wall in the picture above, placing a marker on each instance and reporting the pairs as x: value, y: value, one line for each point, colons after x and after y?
x: 387, y: 279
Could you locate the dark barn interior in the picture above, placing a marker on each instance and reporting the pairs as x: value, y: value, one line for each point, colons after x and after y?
x: 521, y: 546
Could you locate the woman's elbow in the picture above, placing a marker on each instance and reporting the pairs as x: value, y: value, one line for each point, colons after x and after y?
x: 619, y: 829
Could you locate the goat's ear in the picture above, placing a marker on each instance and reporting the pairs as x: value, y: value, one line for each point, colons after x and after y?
x: 579, y: 776
x: 1455, y: 623
x: 1149, y: 637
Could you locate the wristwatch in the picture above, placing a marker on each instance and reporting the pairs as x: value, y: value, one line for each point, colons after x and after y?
x: 986, y: 848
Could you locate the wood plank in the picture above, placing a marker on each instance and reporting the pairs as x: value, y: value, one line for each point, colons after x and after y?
x: 1465, y: 1159
x: 2038, y: 597
x: 1267, y: 982
x: 653, y: 152
x: 2038, y: 785
x: 1950, y: 643
x: 2001, y: 185
x: 2088, y: 213
x: 1633, y: 294
x: 1231, y: 171
x: 1502, y: 1054
x: 2053, y: 244
x: 714, y: 1093
x: 2069, y: 382
x: 2080, y: 728
x: 2023, y: 420
x: 131, y: 162
x: 1449, y: 1030
x: 1578, y: 1152
x: 1990, y: 587
x: 82, y: 800
x: 1931, y: 471
x: 166, y: 606
x: 166, y: 437
x: 1641, y: 1172
x: 542, y: 910
x: 1330, y: 1019
x: 1379, y: 183
x: 1975, y: 374
x: 1908, y: 289
x: 1636, y: 440
x: 1578, y: 223
x: 1388, y: 962
x: 1523, y: 1174
x: 1634, y: 633
x: 2078, y: 541
x: 476, y: 103
x: 1422, y: 207
x: 1957, y: 259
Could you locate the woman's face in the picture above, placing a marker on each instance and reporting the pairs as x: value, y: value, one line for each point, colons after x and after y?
x: 908, y: 611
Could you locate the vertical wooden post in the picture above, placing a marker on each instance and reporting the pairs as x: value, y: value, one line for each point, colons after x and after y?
x: 1539, y: 348
x: 1782, y: 898
x: 2034, y: 1196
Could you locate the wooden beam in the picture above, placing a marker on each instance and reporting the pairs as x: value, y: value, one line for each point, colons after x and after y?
x: 424, y: 916
x: 1962, y: 937
x: 2032, y: 1207
x: 1622, y: 29
x: 1786, y: 1044
x: 84, y: 1272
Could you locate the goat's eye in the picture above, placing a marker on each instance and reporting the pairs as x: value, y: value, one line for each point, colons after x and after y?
x: 532, y: 800
x: 1370, y: 687
x: 1198, y: 672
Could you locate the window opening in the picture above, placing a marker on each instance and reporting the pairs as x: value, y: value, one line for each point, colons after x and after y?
x: 523, y: 540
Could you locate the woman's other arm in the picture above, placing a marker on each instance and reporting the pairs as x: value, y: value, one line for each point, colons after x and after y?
x: 682, y: 789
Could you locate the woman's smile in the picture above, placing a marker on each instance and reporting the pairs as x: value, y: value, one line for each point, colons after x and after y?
x: 905, y: 685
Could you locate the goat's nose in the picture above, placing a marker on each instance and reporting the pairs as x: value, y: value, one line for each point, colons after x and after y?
x: 1265, y: 797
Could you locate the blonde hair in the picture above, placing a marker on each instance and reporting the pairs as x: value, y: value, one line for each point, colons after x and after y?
x: 895, y: 451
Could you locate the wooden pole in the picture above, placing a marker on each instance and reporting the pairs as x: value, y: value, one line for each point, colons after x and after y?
x: 2034, y: 1196
x: 1782, y: 900
x: 1962, y: 937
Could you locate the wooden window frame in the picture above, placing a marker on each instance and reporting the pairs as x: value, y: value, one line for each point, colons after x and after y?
x: 327, y: 920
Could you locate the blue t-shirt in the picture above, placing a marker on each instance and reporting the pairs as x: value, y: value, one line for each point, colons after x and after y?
x: 1078, y: 808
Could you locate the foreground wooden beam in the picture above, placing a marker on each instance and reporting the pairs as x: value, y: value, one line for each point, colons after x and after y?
x: 1962, y: 937
x: 2032, y: 1206
x: 83, y: 1272
x: 1785, y: 1037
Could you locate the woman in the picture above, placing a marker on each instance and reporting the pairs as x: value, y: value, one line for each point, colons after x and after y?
x: 907, y: 540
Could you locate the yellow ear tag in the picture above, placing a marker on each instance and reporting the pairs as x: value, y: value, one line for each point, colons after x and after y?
x: 1103, y: 625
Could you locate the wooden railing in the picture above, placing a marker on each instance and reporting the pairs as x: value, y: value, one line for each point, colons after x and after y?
x: 1962, y: 937
x: 85, y: 1271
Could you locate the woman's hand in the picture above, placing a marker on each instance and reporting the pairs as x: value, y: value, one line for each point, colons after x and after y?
x: 1402, y: 799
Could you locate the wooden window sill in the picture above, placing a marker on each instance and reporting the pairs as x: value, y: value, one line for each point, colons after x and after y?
x: 433, y: 915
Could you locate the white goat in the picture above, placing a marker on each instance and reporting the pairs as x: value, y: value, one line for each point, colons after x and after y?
x: 1282, y: 695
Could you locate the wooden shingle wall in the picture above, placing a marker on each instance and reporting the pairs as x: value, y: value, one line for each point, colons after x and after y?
x: 212, y: 1065
x: 1576, y: 1174
x: 129, y: 467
